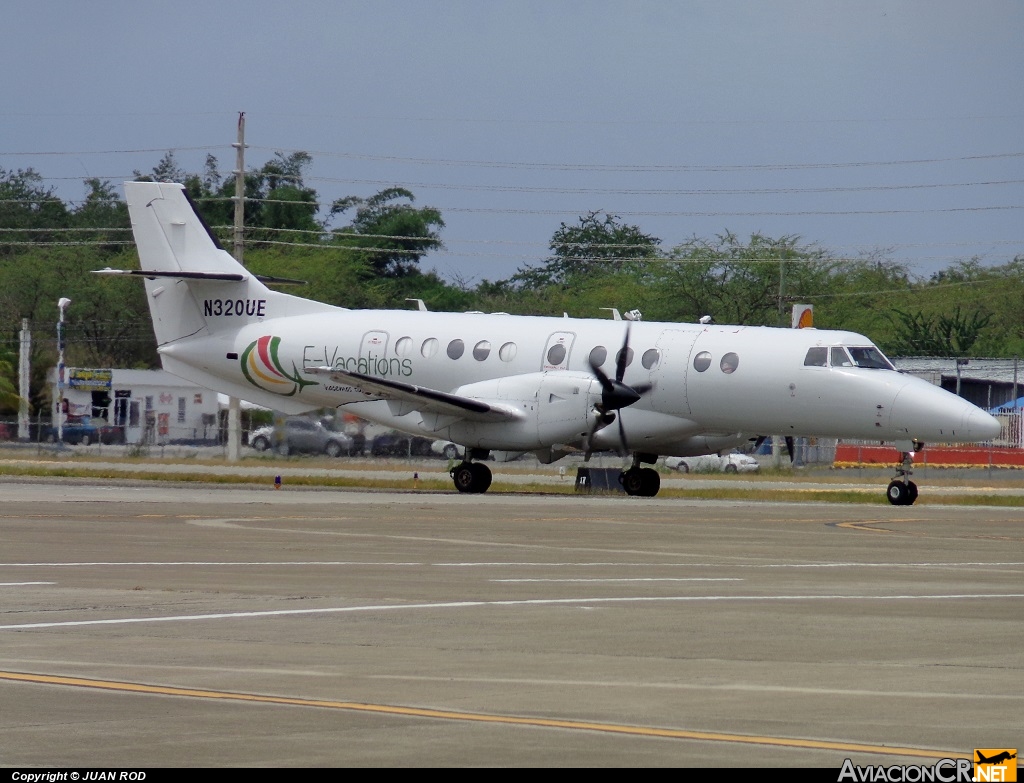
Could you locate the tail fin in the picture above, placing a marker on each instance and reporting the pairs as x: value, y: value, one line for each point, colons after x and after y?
x: 194, y: 287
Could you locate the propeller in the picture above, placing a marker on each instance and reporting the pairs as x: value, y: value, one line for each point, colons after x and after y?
x: 615, y: 395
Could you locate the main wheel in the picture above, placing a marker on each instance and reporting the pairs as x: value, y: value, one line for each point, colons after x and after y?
x: 483, y: 476
x: 464, y: 477
x: 650, y: 482
x: 471, y: 477
x: 898, y: 493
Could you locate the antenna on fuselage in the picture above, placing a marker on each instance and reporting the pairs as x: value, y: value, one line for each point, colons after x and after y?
x: 419, y: 304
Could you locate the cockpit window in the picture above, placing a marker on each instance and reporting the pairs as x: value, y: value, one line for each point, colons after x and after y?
x: 871, y: 358
x: 816, y: 357
x: 840, y: 358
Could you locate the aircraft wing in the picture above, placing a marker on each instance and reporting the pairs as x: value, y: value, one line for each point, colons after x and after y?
x: 409, y: 397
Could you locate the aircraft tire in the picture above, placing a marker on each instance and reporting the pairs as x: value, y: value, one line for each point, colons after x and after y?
x: 482, y: 475
x: 464, y: 477
x: 900, y: 494
x: 652, y: 482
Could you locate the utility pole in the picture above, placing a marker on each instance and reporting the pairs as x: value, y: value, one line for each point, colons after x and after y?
x: 24, y: 373
x: 234, y: 404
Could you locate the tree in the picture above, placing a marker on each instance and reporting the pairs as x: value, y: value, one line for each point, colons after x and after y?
x: 938, y: 335
x: 737, y: 282
x: 9, y: 398
x: 27, y: 211
x: 600, y: 244
x: 392, y: 233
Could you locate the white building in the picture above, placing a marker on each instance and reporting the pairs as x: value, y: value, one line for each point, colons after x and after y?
x: 148, y: 406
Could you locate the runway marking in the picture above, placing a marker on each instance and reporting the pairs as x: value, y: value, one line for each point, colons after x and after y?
x: 23, y: 584
x: 505, y: 564
x: 740, y: 687
x: 638, y: 579
x: 524, y: 602
x: 475, y: 717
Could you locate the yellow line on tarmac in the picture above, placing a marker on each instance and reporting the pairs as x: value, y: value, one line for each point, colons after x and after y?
x: 416, y: 712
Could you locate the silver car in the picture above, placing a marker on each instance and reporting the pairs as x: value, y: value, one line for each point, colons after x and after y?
x: 302, y: 435
x: 714, y: 463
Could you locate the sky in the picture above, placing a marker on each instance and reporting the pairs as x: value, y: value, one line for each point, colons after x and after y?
x: 884, y: 129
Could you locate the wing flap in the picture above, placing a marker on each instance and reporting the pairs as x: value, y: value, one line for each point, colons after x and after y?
x: 409, y: 397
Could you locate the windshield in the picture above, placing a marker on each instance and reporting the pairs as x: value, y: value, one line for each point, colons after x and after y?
x: 870, y: 358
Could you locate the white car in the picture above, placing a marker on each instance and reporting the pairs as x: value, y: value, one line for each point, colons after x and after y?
x: 446, y: 449
x: 713, y: 463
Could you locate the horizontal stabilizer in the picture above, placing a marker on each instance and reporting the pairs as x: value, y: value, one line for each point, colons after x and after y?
x: 229, y: 276
x: 426, y: 400
x: 177, y: 275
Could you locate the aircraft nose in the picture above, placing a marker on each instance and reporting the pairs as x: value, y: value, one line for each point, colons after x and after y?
x: 982, y: 426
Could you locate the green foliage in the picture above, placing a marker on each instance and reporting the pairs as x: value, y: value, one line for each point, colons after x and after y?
x: 740, y: 282
x: 599, y: 245
x: 391, y: 233
x: 954, y: 334
x: 9, y: 398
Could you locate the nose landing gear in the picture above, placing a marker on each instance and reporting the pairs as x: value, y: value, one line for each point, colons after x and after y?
x: 901, y: 490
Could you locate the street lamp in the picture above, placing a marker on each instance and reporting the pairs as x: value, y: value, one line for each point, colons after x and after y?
x: 62, y: 305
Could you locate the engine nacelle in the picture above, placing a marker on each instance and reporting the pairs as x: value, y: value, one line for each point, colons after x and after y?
x: 555, y: 407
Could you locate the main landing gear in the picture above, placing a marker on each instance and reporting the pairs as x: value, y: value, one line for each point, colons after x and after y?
x: 642, y: 482
x: 901, y: 490
x: 472, y: 477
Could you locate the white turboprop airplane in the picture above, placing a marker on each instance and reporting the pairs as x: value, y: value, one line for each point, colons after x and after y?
x: 514, y: 384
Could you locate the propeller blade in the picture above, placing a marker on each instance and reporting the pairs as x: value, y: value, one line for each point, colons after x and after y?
x: 623, y: 358
x: 622, y: 439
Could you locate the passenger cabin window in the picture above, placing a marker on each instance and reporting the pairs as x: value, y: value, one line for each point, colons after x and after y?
x: 629, y: 357
x: 870, y: 358
x: 702, y: 361
x: 403, y: 346
x: 840, y: 358
x: 482, y: 350
x: 556, y: 354
x: 598, y: 356
x: 816, y: 357
x: 729, y: 363
x: 429, y: 347
x: 456, y: 348
x: 650, y: 358
x: 507, y: 352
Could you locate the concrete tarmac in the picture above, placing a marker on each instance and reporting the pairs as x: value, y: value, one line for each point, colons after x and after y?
x: 177, y: 625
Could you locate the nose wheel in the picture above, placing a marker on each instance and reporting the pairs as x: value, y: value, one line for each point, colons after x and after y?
x: 901, y: 490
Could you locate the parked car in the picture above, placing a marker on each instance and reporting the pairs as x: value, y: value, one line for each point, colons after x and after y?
x: 714, y: 463
x: 398, y: 444
x: 302, y: 435
x: 76, y: 430
x: 446, y: 449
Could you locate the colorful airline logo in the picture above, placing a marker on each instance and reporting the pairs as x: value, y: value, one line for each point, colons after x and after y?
x: 262, y: 368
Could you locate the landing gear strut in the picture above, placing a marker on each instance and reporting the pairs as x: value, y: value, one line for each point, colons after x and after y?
x: 471, y: 477
x: 643, y: 482
x: 901, y: 490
